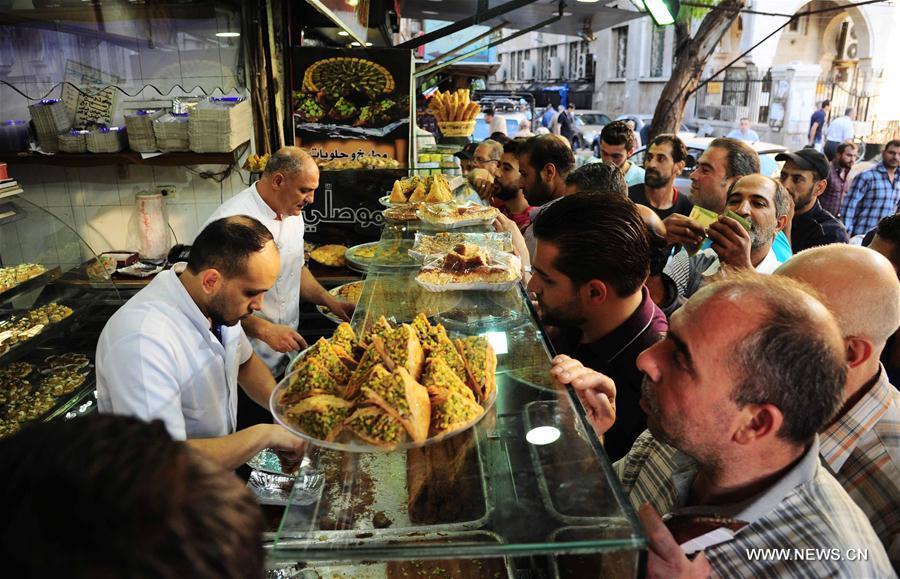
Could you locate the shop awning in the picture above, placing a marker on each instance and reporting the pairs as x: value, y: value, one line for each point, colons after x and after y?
x: 578, y: 17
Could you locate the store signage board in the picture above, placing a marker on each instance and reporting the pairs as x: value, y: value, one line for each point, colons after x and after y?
x: 347, y: 101
x: 347, y: 104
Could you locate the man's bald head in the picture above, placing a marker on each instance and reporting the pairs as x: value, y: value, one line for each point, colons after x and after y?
x: 857, y: 284
x: 289, y: 161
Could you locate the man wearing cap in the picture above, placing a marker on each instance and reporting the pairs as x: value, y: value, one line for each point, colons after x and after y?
x: 805, y: 176
x: 466, y: 155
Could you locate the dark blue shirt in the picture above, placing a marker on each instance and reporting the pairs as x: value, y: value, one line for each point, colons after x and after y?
x: 817, y: 117
x: 816, y: 227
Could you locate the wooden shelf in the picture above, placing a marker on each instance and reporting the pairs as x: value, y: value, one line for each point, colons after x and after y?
x: 123, y: 158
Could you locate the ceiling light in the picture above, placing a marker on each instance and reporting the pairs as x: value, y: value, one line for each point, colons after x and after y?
x: 543, y: 435
x: 368, y: 44
x: 228, y: 34
x: 352, y: 2
x: 431, y: 12
x: 354, y: 43
x: 567, y: 13
x: 343, y: 33
x: 588, y: 1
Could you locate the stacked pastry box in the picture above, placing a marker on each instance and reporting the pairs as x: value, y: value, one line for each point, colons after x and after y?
x: 466, y: 261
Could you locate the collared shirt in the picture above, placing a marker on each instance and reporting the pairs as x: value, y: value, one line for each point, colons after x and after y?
x: 871, y: 198
x: 634, y: 175
x: 816, y: 227
x: 615, y: 355
x: 281, y: 304
x: 157, y: 358
x: 862, y: 449
x: 690, y: 272
x: 805, y: 509
x: 680, y: 203
x: 838, y: 183
x: 839, y: 130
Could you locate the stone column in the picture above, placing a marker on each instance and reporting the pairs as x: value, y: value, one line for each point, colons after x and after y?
x: 792, y: 102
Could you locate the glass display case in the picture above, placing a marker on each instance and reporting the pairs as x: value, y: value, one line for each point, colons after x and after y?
x: 48, y: 328
x: 528, y: 491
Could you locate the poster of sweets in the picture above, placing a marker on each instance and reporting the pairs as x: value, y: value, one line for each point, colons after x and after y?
x: 351, y: 100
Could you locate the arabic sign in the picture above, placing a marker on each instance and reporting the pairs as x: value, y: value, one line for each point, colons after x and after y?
x: 345, y: 100
x: 345, y: 209
x: 322, y: 154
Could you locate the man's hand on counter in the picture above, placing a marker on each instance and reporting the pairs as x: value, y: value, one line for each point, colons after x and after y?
x: 287, y: 445
x: 596, y: 391
x: 281, y: 338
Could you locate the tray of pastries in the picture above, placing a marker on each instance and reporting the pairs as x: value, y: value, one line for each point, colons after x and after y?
x: 446, y: 241
x: 40, y: 389
x: 348, y: 292
x: 416, y: 189
x: 453, y: 215
x: 23, y: 326
x: 470, y: 267
x: 395, y: 387
x: 392, y: 253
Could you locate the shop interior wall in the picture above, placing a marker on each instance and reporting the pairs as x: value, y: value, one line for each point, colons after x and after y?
x: 98, y: 202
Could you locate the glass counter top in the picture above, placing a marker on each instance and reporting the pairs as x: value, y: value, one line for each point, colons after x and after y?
x: 530, y: 478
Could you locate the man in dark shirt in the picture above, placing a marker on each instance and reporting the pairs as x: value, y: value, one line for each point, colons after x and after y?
x: 664, y: 160
x: 805, y: 176
x: 816, y: 123
x: 567, y: 123
x: 590, y: 264
x: 838, y: 179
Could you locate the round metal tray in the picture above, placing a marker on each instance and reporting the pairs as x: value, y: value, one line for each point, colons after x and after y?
x: 335, y: 291
x: 379, y: 259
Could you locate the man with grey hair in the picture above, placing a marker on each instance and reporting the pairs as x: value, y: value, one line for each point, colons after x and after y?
x: 860, y: 444
x: 277, y: 200
x: 753, y: 367
x: 762, y: 201
x: 487, y: 157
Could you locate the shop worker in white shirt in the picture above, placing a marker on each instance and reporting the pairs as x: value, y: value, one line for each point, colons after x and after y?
x: 277, y: 200
x: 176, y: 351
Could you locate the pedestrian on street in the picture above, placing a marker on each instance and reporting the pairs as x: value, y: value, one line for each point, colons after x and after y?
x: 840, y: 130
x: 817, y: 123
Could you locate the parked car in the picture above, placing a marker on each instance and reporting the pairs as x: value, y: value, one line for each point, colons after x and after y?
x: 588, y: 125
x: 482, y: 131
x: 695, y: 147
x: 642, y: 125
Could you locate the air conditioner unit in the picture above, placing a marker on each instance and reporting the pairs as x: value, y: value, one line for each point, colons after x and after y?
x: 530, y: 70
x: 555, y: 68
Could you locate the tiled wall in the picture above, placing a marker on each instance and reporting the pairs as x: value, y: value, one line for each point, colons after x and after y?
x: 98, y: 202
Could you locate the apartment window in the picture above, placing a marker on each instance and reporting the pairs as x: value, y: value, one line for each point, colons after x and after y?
x: 588, y: 70
x: 521, y: 66
x: 657, y: 50
x: 573, y: 60
x: 735, y: 88
x: 620, y: 38
x: 544, y: 60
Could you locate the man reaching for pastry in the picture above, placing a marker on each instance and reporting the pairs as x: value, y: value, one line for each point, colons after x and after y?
x: 176, y: 351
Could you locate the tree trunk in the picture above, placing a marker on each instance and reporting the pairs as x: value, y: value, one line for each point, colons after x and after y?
x: 691, y: 57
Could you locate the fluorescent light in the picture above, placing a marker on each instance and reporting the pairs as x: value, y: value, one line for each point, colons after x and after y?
x: 543, y: 435
x: 498, y: 342
x: 588, y: 1
x: 352, y: 2
x: 228, y: 34
x: 368, y: 44
x: 431, y: 12
x: 662, y: 12
x: 355, y: 43
x: 343, y: 33
x: 567, y: 13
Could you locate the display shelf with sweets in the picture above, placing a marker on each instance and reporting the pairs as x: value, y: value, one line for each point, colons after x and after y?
x: 483, y: 478
x: 23, y: 331
x: 22, y: 278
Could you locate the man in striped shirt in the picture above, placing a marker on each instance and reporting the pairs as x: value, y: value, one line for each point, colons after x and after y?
x: 752, y: 368
x: 874, y: 193
x: 861, y: 444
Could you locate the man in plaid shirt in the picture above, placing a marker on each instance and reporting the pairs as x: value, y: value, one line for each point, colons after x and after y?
x: 874, y: 193
x: 752, y: 368
x: 861, y: 444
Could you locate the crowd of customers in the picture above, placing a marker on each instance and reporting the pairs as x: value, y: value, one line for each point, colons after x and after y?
x: 741, y: 367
